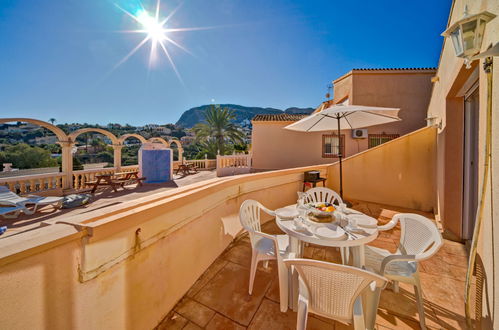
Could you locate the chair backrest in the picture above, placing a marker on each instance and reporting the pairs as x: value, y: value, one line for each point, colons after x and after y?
x: 333, y: 288
x: 7, y: 195
x: 322, y: 194
x: 249, y: 215
x: 419, y: 236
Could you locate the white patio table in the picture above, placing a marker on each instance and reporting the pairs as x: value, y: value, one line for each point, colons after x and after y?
x: 355, y: 243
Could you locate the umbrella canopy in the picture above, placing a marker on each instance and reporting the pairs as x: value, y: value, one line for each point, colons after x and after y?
x: 349, y: 116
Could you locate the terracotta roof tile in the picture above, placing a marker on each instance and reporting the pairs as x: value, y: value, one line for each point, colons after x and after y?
x: 279, y: 117
x: 392, y: 69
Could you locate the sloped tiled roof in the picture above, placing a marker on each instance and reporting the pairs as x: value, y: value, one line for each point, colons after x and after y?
x: 393, y: 69
x: 279, y: 117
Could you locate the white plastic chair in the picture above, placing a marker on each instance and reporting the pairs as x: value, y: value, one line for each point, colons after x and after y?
x: 325, y: 195
x: 335, y: 291
x: 264, y: 247
x: 419, y: 240
x: 321, y: 194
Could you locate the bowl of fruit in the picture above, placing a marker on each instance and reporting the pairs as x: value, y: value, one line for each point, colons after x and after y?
x: 322, y: 210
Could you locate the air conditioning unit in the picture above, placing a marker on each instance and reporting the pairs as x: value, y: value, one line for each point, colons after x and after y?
x: 359, y: 133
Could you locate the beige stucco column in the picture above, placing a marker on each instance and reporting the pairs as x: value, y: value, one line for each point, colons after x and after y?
x: 117, y: 156
x: 180, y: 155
x: 67, y: 163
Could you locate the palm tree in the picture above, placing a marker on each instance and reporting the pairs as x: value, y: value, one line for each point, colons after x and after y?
x: 52, y: 120
x: 208, y: 148
x: 218, y: 126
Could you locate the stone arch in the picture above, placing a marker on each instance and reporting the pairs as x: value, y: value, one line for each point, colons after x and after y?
x: 160, y: 140
x: 137, y: 136
x: 61, y: 136
x: 177, y: 143
x: 110, y: 135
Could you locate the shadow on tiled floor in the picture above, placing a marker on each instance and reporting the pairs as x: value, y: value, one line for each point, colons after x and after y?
x: 220, y: 299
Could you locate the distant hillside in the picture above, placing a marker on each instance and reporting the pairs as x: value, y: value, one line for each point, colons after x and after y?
x: 195, y: 115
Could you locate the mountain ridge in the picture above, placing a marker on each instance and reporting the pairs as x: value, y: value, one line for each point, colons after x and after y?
x: 196, y: 115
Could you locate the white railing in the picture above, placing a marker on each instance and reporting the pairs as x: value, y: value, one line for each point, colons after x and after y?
x: 33, y: 183
x: 233, y: 164
x: 203, y: 164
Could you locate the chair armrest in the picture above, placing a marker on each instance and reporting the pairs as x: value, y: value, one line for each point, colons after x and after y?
x: 262, y: 234
x: 266, y: 210
x: 389, y: 225
x: 395, y: 257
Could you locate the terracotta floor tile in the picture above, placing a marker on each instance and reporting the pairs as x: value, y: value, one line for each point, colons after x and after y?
x: 455, y: 248
x: 194, y: 311
x: 219, y: 322
x: 403, y: 304
x: 215, y: 267
x: 453, y: 259
x: 273, y: 291
x: 239, y: 253
x: 191, y: 326
x: 437, y: 266
x: 172, y: 322
x: 332, y: 255
x: 271, y: 227
x: 268, y: 316
x: 227, y: 293
x: 447, y: 293
x: 385, y: 320
x: 390, y: 246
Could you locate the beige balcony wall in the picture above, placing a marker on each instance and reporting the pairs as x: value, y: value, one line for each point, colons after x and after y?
x: 447, y: 105
x: 400, y: 172
x: 125, y: 267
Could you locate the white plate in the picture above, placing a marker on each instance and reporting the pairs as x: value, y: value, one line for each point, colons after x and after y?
x: 287, y: 213
x: 363, y: 220
x: 330, y: 231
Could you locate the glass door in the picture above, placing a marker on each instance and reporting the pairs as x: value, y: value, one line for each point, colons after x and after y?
x: 470, y: 168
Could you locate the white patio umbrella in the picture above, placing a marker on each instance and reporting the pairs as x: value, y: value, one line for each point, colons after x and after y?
x: 345, y: 117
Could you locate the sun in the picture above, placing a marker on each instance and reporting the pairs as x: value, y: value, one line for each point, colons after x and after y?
x: 152, y: 26
x: 156, y: 34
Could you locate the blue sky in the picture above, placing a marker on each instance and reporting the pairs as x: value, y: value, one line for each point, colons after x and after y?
x: 57, y: 56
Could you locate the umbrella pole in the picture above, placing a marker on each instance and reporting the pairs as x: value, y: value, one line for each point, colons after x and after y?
x: 340, y: 156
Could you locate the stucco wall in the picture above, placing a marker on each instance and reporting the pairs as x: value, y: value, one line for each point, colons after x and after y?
x: 446, y: 106
x: 400, y: 172
x: 273, y: 147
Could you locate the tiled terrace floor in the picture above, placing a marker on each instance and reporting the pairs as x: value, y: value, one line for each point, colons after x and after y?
x: 102, y: 199
x: 220, y: 300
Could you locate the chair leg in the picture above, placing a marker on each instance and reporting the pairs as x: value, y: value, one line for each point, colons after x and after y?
x: 396, y: 286
x: 301, y: 318
x: 254, y: 266
x: 283, y: 274
x: 358, y: 315
x: 345, y: 255
x: 420, y: 302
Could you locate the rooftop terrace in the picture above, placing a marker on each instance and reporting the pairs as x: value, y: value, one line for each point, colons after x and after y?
x: 104, y: 198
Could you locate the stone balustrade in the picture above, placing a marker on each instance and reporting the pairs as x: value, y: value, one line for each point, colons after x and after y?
x: 34, y: 183
x: 233, y: 164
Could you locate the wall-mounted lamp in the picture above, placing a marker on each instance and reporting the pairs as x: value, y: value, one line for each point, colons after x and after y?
x: 467, y: 34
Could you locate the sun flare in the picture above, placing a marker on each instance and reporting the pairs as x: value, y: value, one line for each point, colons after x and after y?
x: 156, y: 33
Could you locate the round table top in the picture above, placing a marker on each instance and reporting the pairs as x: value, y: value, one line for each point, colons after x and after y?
x: 307, y: 235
